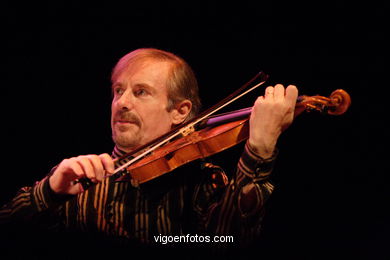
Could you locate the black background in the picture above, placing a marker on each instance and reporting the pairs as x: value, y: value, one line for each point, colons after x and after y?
x: 331, y: 176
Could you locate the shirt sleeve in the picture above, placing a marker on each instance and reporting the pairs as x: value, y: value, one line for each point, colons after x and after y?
x: 252, y: 184
x: 237, y: 206
x: 31, y: 202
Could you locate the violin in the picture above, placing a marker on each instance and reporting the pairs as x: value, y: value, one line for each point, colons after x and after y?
x: 209, y: 134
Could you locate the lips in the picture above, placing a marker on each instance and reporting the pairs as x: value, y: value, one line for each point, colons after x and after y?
x: 125, y: 122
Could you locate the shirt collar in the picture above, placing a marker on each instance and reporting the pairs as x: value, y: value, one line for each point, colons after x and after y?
x: 116, y: 153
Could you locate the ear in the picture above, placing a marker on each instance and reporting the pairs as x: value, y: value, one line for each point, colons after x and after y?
x: 181, y: 111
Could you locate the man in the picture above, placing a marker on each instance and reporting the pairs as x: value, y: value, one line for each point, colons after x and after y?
x: 153, y: 91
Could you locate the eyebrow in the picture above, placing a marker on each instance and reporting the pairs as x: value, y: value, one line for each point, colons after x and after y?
x: 138, y: 85
x: 115, y: 83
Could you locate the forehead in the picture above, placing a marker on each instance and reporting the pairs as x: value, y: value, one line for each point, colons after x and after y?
x: 145, y: 68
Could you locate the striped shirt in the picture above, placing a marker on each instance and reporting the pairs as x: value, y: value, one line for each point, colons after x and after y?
x: 197, y: 198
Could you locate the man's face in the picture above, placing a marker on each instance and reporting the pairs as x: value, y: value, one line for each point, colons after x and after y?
x: 139, y: 106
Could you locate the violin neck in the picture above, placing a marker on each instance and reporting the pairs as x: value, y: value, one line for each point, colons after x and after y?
x: 227, y: 117
x: 232, y: 116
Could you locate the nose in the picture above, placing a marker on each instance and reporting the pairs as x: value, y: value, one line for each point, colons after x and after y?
x: 125, y: 101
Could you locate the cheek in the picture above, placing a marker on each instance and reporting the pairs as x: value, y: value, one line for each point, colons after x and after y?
x: 159, y: 121
x: 112, y: 113
x: 112, y: 108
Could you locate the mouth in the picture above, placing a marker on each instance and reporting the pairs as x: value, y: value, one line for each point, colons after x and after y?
x: 124, y: 125
x: 124, y: 122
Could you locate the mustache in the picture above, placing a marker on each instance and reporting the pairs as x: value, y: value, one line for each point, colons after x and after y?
x: 127, y: 116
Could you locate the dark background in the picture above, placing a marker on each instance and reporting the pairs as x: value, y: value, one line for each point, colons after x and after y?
x: 331, y: 176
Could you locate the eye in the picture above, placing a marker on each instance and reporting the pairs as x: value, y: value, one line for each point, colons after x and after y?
x: 141, y: 92
x: 118, y: 91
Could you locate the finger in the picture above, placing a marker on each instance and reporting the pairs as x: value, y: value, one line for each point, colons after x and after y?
x: 87, y: 167
x: 108, y: 163
x: 78, y: 172
x: 279, y: 92
x: 75, y: 169
x: 291, y: 95
x: 97, y: 166
x: 269, y: 92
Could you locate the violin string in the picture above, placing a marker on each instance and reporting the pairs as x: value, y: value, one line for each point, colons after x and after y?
x: 231, y: 112
x: 151, y: 149
x: 230, y: 101
x: 154, y: 147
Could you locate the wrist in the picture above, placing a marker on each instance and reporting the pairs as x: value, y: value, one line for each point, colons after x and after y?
x: 54, y: 189
x: 263, y: 149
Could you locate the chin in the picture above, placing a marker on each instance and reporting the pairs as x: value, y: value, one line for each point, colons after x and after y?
x: 126, y: 141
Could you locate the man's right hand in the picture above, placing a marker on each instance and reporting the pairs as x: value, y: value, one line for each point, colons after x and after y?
x: 93, y: 167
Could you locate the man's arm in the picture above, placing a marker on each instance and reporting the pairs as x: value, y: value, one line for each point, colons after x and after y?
x: 240, y: 209
x: 56, y: 188
x: 30, y: 202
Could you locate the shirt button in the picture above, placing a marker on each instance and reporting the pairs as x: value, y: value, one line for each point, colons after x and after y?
x: 110, y: 215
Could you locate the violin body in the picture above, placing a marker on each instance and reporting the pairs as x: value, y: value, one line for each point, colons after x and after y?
x: 199, y: 144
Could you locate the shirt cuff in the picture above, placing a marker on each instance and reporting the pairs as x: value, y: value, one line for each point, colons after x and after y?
x: 254, y: 166
x: 44, y: 197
